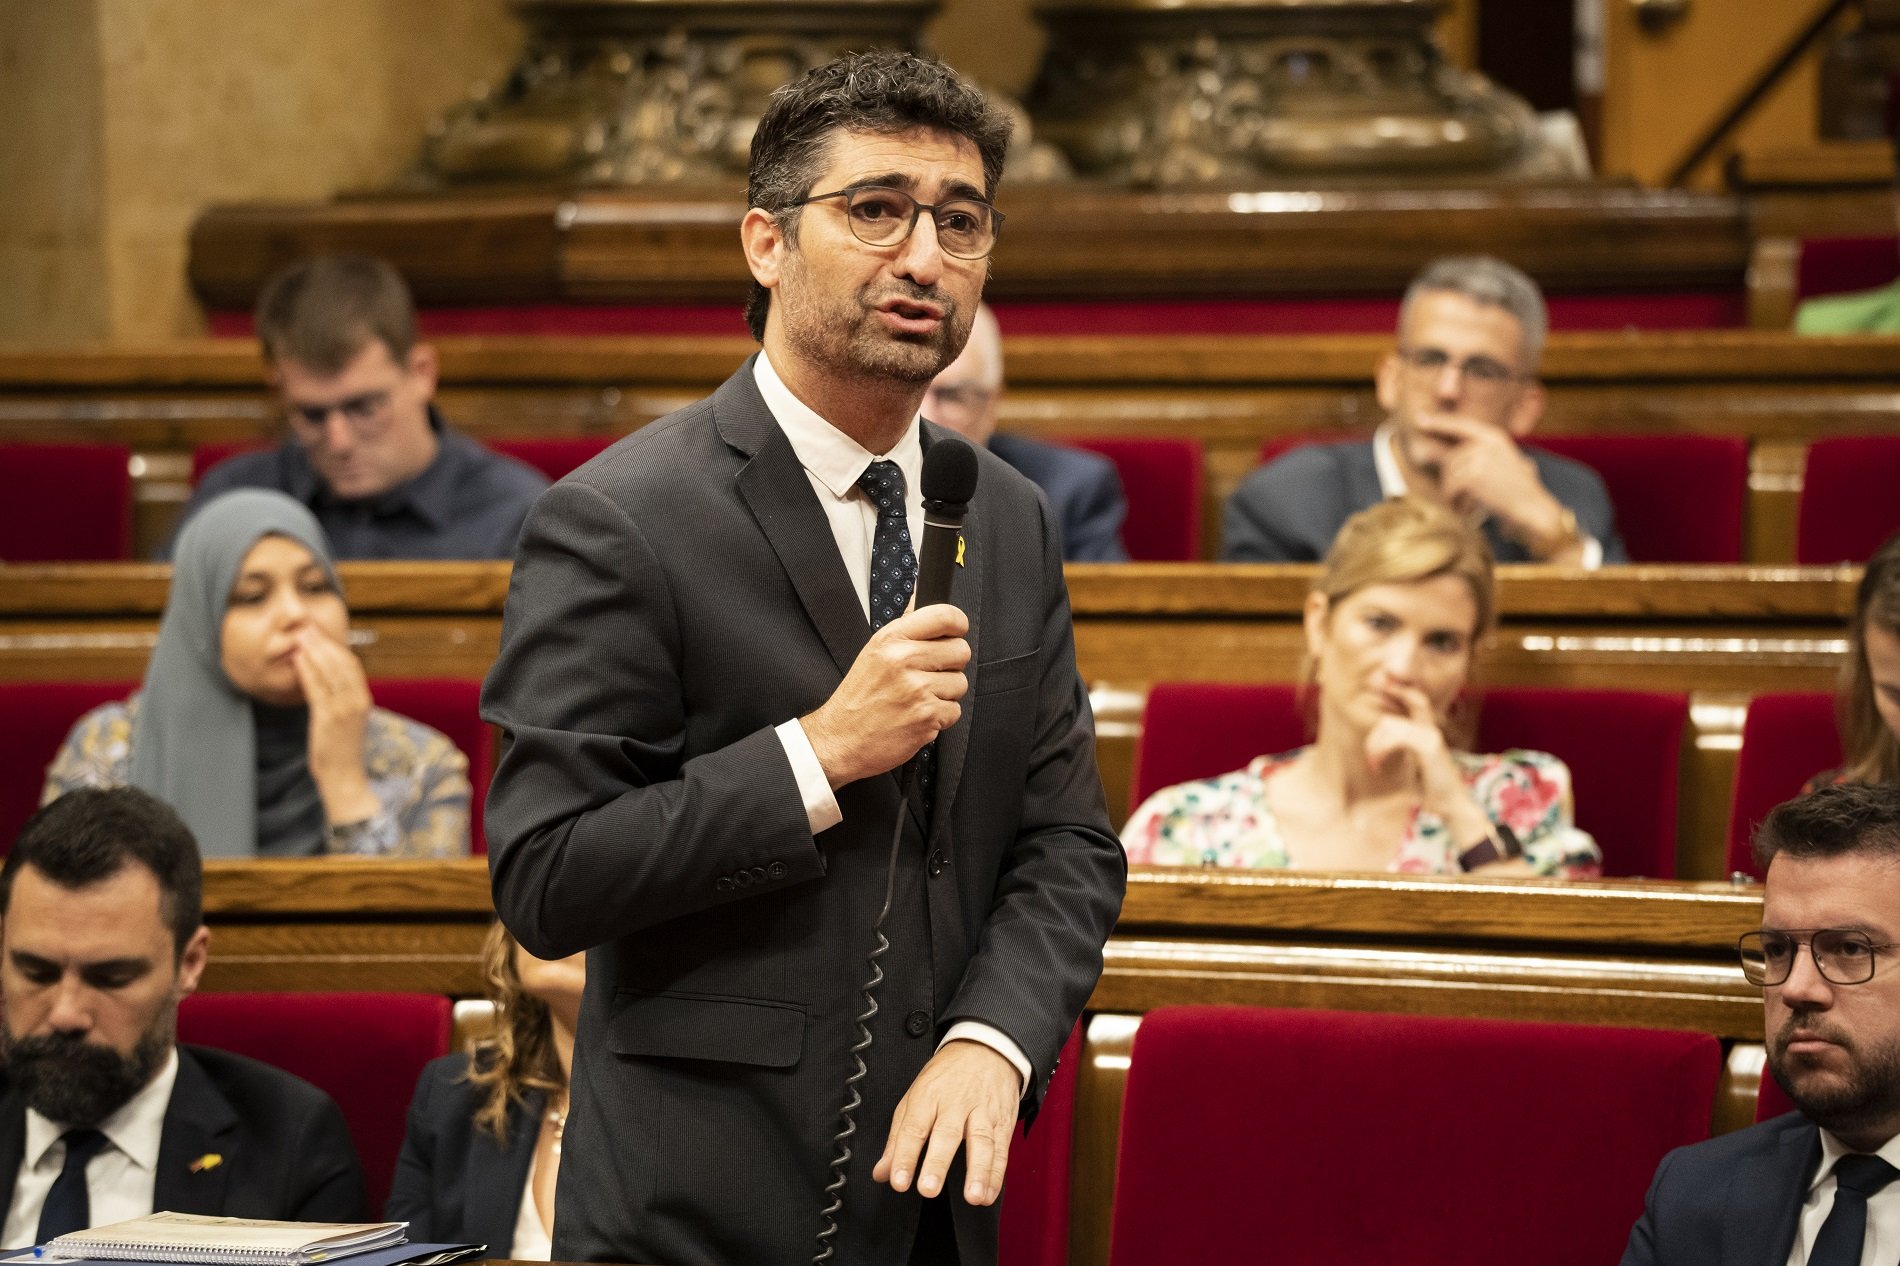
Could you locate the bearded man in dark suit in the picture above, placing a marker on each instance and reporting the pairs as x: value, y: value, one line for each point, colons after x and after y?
x: 708, y: 684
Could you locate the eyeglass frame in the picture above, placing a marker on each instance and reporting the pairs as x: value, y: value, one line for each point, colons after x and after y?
x: 1793, y: 934
x: 367, y: 413
x: 917, y: 209
x: 1483, y: 378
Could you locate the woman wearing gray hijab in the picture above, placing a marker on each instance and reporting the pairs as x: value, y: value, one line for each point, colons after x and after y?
x: 255, y: 721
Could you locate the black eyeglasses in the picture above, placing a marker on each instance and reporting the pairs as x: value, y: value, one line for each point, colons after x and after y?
x: 1479, y: 371
x: 1841, y: 955
x: 882, y: 216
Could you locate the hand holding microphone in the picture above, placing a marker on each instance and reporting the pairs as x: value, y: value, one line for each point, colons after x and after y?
x: 903, y: 688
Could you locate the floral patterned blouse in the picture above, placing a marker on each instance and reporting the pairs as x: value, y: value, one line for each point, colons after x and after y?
x: 1227, y: 821
x: 418, y: 775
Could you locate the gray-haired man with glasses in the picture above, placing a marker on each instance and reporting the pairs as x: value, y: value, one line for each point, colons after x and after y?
x: 1814, y: 1187
x: 1461, y: 395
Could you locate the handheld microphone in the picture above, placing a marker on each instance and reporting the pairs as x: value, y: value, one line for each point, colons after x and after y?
x: 949, y: 481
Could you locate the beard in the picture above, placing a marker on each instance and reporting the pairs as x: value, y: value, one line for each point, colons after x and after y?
x: 76, y: 1082
x: 1864, y: 1100
x: 849, y: 339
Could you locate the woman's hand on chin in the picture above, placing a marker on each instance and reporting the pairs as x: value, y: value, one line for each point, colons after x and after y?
x: 1417, y: 738
x: 337, y: 691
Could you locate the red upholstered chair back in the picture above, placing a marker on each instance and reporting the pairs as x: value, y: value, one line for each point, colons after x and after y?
x: 1162, y: 481
x: 1848, y: 503
x: 1771, y: 1100
x: 453, y: 706
x: 1678, y: 498
x: 1839, y: 265
x: 364, y: 1050
x: 1324, y: 1137
x: 1623, y: 747
x: 65, y: 503
x: 1035, y: 1230
x: 1624, y: 750
x: 554, y: 457
x: 35, y: 717
x: 1786, y: 740
x: 205, y: 456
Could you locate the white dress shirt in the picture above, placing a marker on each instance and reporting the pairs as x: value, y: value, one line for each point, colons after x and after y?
x: 833, y: 461
x: 1392, y: 484
x: 119, y: 1180
x: 1882, y: 1243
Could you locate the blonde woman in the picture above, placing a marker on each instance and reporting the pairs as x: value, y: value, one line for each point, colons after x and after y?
x: 1868, y: 702
x: 1391, y: 630
x: 483, y: 1144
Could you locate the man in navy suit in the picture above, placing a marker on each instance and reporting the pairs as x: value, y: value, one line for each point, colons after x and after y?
x: 1083, y: 488
x: 103, y: 1115
x: 1461, y: 395
x: 1814, y: 1187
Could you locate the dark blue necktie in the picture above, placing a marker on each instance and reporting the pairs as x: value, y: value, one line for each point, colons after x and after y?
x: 894, y: 575
x: 1856, y: 1177
x: 67, y: 1207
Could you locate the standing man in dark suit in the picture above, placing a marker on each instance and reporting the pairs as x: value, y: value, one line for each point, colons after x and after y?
x: 103, y: 1116
x: 705, y: 714
x: 1083, y: 487
x: 1814, y: 1187
x: 1461, y: 395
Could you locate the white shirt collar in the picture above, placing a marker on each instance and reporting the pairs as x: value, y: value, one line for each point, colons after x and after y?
x: 134, y: 1129
x: 1386, y: 462
x: 1832, y: 1149
x: 833, y: 458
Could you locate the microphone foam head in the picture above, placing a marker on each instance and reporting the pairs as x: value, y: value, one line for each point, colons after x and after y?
x: 949, y: 471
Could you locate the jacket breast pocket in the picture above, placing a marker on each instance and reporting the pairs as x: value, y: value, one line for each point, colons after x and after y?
x: 1002, y: 675
x: 754, y: 1031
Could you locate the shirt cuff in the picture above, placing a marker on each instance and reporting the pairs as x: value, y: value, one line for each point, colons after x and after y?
x: 821, y: 807
x: 1592, y: 553
x: 997, y: 1040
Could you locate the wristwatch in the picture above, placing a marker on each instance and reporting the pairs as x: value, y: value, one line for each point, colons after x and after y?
x: 1502, y: 843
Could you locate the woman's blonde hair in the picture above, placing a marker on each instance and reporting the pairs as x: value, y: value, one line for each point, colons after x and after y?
x: 518, y: 1054
x: 1403, y: 540
x: 1873, y: 755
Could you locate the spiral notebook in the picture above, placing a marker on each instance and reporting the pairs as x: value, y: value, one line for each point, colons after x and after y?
x: 215, y: 1241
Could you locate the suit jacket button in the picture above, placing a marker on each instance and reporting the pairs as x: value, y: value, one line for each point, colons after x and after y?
x: 776, y: 870
x: 917, y: 1023
x: 722, y: 884
x: 937, y: 863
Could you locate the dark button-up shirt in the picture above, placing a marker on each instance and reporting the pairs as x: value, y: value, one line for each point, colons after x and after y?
x: 468, y: 503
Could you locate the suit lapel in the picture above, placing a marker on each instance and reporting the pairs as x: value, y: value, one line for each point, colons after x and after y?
x: 778, y: 493
x: 1765, y: 1193
x: 12, y: 1138
x: 196, y: 1152
x: 495, y: 1190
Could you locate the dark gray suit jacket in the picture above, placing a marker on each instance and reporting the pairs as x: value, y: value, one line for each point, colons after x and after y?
x: 456, y: 1184
x: 673, y: 601
x: 1289, y: 510
x: 1083, y: 488
x: 1731, y: 1201
x: 285, y: 1150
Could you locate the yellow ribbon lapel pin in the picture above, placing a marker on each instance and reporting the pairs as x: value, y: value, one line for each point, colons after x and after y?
x: 959, y: 549
x: 210, y: 1160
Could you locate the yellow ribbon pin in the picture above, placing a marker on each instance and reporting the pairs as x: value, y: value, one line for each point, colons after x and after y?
x: 210, y: 1160
x: 959, y: 549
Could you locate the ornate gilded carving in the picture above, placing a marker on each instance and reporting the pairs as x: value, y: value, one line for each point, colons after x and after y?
x: 1171, y: 92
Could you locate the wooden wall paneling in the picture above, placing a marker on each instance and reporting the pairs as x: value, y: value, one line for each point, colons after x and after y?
x: 1776, y: 468
x: 1106, y: 1046
x: 1712, y: 744
x: 1772, y: 266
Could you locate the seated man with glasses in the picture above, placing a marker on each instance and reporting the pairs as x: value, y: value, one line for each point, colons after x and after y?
x: 366, y: 450
x: 1083, y: 488
x: 1460, y: 392
x: 1813, y: 1187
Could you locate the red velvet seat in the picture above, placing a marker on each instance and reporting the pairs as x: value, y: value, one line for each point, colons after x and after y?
x: 1786, y: 740
x: 35, y: 717
x: 1848, y: 499
x: 1842, y: 265
x: 1035, y: 1220
x: 205, y: 456
x: 1770, y: 1100
x: 453, y: 706
x: 1623, y: 748
x: 1162, y: 481
x: 1678, y: 498
x: 1323, y: 1137
x: 365, y: 1050
x: 65, y: 503
x: 554, y: 457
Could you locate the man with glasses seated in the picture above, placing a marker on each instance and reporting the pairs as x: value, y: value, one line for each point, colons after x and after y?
x: 1460, y: 393
x: 366, y: 449
x: 1813, y: 1187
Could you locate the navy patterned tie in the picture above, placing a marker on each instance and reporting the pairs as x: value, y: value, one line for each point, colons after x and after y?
x: 894, y: 575
x: 68, y: 1207
x: 1856, y: 1177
